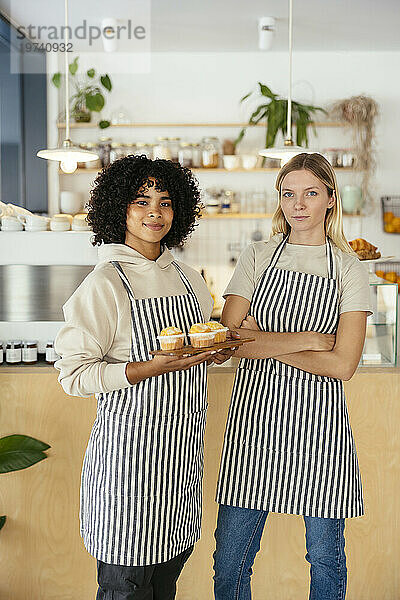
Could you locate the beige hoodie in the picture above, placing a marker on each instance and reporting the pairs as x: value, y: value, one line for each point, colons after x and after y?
x: 94, y: 343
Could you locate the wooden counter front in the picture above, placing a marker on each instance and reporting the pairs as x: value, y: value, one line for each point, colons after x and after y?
x: 42, y: 556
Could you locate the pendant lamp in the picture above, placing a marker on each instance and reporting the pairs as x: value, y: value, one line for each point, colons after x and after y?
x: 289, y: 149
x: 69, y: 154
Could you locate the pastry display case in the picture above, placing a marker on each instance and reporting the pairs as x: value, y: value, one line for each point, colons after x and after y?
x: 380, y: 348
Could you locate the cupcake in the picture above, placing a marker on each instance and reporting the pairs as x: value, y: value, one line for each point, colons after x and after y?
x: 171, y: 338
x: 201, y: 336
x: 219, y: 331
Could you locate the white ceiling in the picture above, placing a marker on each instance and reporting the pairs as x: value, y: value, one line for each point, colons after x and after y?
x: 231, y: 25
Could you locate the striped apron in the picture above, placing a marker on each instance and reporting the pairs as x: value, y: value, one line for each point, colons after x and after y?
x: 141, y: 486
x: 288, y: 444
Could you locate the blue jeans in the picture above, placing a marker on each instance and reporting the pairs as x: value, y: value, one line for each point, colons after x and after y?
x: 238, y: 536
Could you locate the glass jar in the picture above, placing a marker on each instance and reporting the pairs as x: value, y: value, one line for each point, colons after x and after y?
x: 93, y: 164
x: 211, y: 152
x: 143, y: 148
x: 185, y: 155
x: 174, y: 144
x: 51, y: 355
x: 117, y: 151
x: 29, y: 352
x: 161, y: 149
x: 104, y: 151
x: 196, y: 156
x: 212, y: 201
x: 227, y: 200
x: 13, y: 351
x: 348, y: 159
x: 129, y: 149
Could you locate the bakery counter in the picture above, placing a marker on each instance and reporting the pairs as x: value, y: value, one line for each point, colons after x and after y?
x: 42, y: 502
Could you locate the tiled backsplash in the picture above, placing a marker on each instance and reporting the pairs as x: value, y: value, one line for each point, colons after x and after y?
x: 216, y: 244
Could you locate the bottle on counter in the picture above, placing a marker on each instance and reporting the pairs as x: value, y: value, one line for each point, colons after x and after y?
x: 30, y: 352
x: 13, y: 352
x: 51, y: 354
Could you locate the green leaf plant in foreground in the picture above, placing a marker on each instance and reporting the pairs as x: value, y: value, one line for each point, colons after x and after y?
x: 273, y: 111
x: 19, y: 452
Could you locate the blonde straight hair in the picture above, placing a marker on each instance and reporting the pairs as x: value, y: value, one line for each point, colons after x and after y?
x: 321, y: 168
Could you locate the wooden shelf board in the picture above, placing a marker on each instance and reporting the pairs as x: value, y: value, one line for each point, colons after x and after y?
x: 172, y: 125
x: 252, y: 215
x: 219, y: 170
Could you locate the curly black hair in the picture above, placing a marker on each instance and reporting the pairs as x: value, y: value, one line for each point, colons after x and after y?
x: 117, y: 186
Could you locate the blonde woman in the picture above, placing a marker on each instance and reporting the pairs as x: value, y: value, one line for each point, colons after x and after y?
x: 288, y: 443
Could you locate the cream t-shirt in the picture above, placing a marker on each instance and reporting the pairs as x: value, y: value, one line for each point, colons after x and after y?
x: 352, y: 276
x: 94, y: 344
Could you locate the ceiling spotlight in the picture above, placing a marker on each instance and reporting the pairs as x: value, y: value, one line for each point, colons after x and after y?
x: 266, y: 32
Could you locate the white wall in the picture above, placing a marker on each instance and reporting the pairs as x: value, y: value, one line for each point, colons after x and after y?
x: 206, y: 87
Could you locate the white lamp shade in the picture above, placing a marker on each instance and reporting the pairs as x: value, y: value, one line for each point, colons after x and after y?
x: 72, y: 153
x: 284, y: 153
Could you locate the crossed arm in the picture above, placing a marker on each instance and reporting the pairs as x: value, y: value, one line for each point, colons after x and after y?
x: 321, y: 354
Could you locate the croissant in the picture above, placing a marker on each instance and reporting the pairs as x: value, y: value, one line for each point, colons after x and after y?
x: 360, y: 244
x: 364, y: 250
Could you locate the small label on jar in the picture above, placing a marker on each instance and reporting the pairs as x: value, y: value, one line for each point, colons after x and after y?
x: 13, y: 355
x: 51, y: 355
x: 29, y: 354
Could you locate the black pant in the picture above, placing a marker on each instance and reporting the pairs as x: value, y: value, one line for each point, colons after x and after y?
x: 153, y: 582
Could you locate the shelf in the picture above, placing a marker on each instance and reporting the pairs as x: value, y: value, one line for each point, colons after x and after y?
x: 172, y: 125
x: 219, y: 170
x: 237, y: 216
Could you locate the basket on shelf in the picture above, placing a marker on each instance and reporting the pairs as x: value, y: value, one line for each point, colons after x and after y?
x: 390, y: 271
x: 391, y: 213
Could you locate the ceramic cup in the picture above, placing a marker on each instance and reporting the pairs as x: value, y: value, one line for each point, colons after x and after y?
x: 231, y: 162
x: 33, y: 222
x: 249, y: 161
x: 70, y: 202
x: 60, y: 223
x: 10, y: 224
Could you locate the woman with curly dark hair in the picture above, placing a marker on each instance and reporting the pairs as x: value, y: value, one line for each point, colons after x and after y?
x: 142, y: 473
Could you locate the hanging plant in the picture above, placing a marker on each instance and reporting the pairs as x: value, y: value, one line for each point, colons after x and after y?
x: 360, y: 113
x: 88, y: 95
x: 273, y: 111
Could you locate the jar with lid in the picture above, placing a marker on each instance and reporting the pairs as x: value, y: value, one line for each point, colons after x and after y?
x: 104, y: 151
x: 13, y: 351
x: 129, y: 149
x: 51, y: 354
x: 174, y: 144
x: 227, y: 200
x: 144, y: 148
x: 161, y: 149
x: 185, y: 155
x: 93, y: 164
x: 30, y: 352
x: 212, y: 201
x: 117, y: 151
x: 196, y: 155
x: 347, y: 158
x: 211, y: 152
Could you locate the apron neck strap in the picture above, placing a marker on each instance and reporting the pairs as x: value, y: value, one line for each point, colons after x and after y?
x: 278, y: 251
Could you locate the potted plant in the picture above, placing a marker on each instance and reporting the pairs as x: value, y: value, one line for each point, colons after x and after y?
x: 273, y: 111
x: 88, y: 96
x: 19, y: 452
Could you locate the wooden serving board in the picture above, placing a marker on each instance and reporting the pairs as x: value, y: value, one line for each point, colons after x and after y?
x: 190, y: 350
